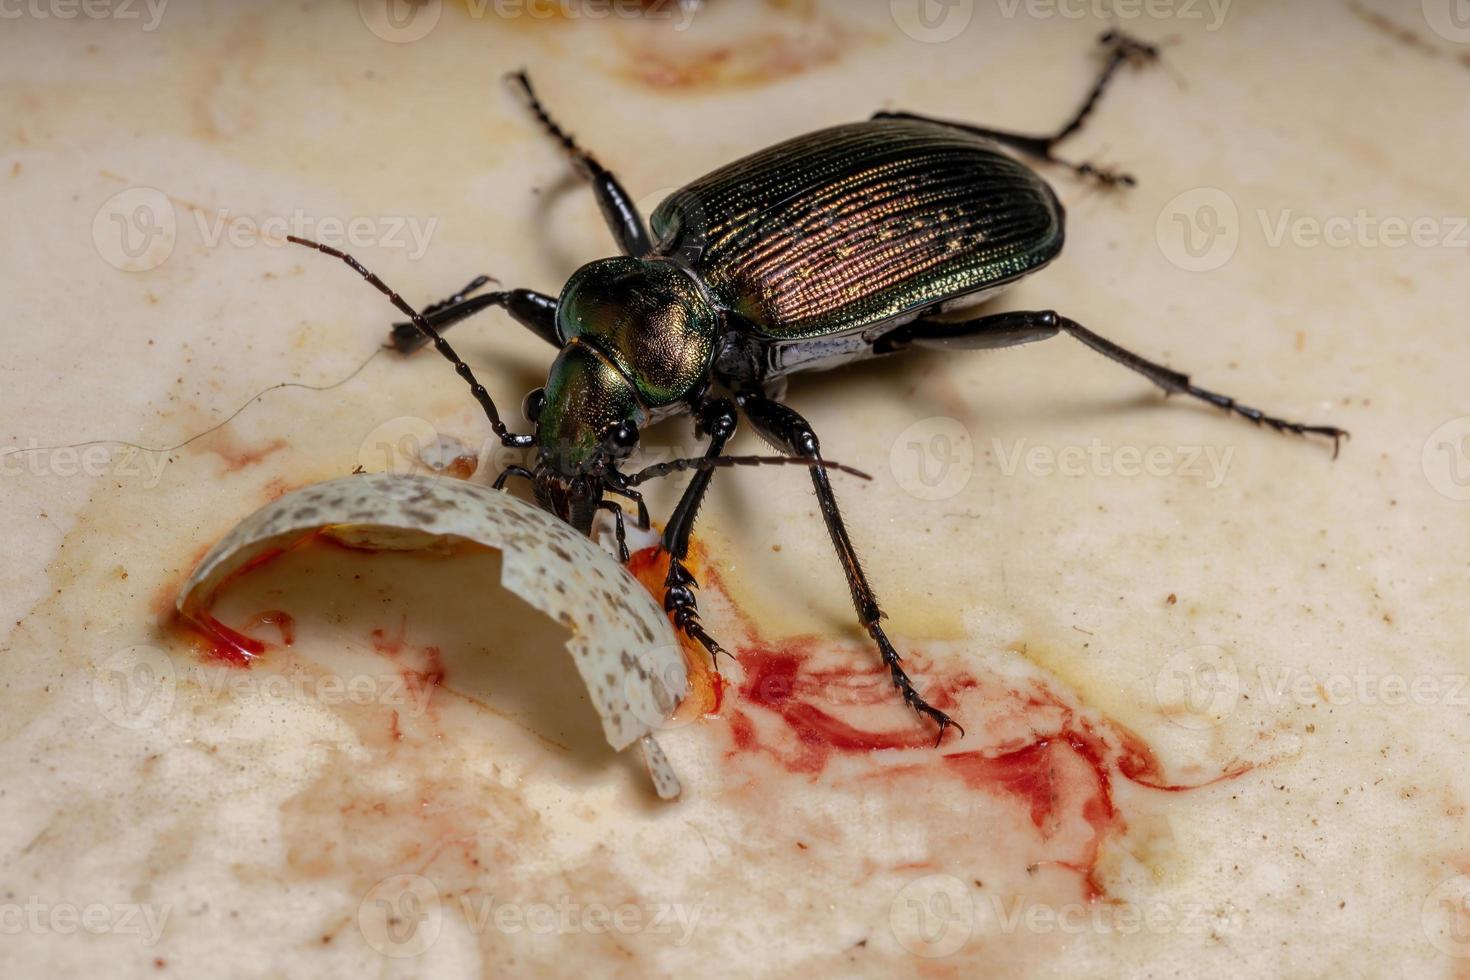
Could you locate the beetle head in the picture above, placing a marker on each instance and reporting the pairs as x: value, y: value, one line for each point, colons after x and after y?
x: 586, y: 419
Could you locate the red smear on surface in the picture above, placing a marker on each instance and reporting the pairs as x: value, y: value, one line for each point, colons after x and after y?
x: 230, y: 646
x: 238, y: 459
x: 774, y: 680
x: 428, y: 673
x: 1024, y: 773
x: 391, y: 645
x: 1057, y: 777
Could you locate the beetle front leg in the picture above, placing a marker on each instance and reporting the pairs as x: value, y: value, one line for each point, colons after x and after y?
x: 717, y: 420
x: 1122, y: 49
x: 620, y: 530
x: 1022, y: 326
x: 617, y: 207
x: 786, y: 429
x: 532, y: 310
x: 644, y: 521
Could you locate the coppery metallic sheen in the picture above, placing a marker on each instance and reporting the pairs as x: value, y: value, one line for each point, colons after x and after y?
x: 855, y: 225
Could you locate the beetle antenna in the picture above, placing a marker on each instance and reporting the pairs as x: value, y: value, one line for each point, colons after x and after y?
x: 507, y: 438
x: 721, y: 462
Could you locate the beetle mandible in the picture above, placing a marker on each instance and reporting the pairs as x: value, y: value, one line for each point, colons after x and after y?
x: 843, y: 244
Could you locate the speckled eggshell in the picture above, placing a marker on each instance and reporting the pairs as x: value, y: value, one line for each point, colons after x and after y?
x: 622, y: 642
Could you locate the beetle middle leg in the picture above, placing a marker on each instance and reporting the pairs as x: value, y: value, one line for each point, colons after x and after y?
x: 787, y: 430
x: 1122, y: 50
x: 618, y: 208
x: 1021, y: 326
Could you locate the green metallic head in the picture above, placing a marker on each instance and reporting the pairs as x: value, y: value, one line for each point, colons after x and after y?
x: 639, y: 337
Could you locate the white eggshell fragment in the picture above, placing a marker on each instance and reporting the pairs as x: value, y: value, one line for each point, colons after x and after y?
x: 621, y: 642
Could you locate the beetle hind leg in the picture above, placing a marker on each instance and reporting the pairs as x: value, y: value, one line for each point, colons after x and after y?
x: 1175, y: 382
x: 617, y: 207
x: 1122, y: 50
x: 785, y: 428
x: 1020, y: 326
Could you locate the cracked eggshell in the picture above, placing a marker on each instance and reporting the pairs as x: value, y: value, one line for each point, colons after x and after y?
x: 622, y: 643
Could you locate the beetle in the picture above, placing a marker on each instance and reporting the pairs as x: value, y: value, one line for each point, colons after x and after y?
x: 857, y: 241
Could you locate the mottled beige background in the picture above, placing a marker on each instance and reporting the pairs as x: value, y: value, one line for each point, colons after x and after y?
x: 1053, y: 542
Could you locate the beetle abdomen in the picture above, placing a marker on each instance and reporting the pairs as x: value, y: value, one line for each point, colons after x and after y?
x: 860, y: 224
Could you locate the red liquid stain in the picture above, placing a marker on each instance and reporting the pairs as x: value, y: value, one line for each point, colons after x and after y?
x: 391, y: 645
x: 775, y: 681
x: 1049, y: 755
x: 421, y: 677
x: 229, y: 646
x: 236, y: 459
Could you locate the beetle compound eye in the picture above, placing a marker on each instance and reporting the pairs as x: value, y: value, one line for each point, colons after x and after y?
x: 531, y: 407
x: 622, y: 439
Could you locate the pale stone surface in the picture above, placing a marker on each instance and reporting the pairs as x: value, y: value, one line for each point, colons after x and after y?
x: 1092, y: 560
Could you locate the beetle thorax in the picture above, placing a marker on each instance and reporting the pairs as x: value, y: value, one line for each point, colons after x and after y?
x: 651, y: 319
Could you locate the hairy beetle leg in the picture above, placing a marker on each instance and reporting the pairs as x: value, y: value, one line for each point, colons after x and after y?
x: 617, y: 206
x: 1021, y: 326
x: 717, y: 419
x: 532, y: 310
x: 1122, y: 50
x: 787, y: 430
x: 679, y: 602
x: 620, y: 530
x: 407, y: 338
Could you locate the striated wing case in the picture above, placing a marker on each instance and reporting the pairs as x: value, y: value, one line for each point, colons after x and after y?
x: 860, y: 224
